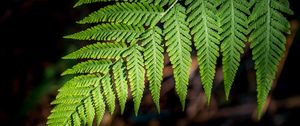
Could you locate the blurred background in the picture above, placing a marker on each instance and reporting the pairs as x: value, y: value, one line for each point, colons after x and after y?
x: 32, y: 46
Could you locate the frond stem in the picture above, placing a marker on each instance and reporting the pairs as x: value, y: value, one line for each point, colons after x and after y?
x: 173, y: 4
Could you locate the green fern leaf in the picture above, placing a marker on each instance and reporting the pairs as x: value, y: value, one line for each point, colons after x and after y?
x: 91, y: 66
x: 129, y: 13
x: 178, y: 42
x: 99, y: 105
x: 120, y: 83
x: 108, y: 32
x: 99, y: 51
x: 205, y: 28
x: 73, y: 100
x: 76, y: 119
x: 108, y: 93
x: 82, y: 115
x: 267, y: 39
x: 82, y: 81
x: 154, y: 61
x: 136, y: 74
x: 89, y: 111
x: 233, y: 16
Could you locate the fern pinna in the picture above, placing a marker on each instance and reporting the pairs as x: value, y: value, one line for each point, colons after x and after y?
x: 133, y: 36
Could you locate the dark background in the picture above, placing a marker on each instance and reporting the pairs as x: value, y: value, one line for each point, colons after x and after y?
x: 32, y: 46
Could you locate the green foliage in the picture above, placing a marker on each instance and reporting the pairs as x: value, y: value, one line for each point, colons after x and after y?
x: 154, y: 61
x: 99, y: 51
x: 109, y: 32
x: 91, y: 66
x: 234, y: 23
x: 136, y: 74
x: 120, y: 83
x: 134, y: 35
x: 204, y: 26
x: 178, y: 42
x: 268, y: 40
x: 128, y: 13
x: 108, y: 93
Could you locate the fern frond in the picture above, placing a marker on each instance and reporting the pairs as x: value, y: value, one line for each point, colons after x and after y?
x: 233, y: 17
x: 268, y: 40
x: 91, y: 66
x: 131, y: 47
x: 75, y: 101
x: 120, y: 83
x: 178, y: 42
x: 109, y: 32
x: 154, y: 61
x: 205, y: 28
x: 128, y: 13
x: 99, y: 51
x: 108, y: 93
x: 136, y: 74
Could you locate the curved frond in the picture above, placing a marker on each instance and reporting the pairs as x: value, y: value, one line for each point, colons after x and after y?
x: 109, y: 32
x: 91, y: 66
x: 178, y: 42
x: 234, y: 24
x: 136, y: 74
x: 268, y: 40
x: 154, y: 61
x: 120, y: 83
x: 132, y: 35
x: 99, y: 51
x: 128, y: 13
x: 205, y: 27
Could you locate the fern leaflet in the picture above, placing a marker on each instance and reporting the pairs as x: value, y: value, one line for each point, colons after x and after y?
x: 108, y: 32
x: 178, y: 44
x: 91, y: 66
x: 136, y: 74
x: 154, y: 61
x: 233, y: 16
x: 267, y: 43
x: 99, y: 105
x: 108, y: 93
x: 120, y: 83
x: 205, y: 28
x: 99, y: 51
x: 128, y: 13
